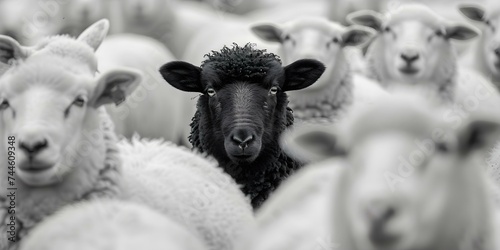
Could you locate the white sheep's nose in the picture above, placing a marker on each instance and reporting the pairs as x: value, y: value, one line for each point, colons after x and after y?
x: 380, y: 212
x: 33, y: 144
x: 32, y: 140
x: 410, y: 56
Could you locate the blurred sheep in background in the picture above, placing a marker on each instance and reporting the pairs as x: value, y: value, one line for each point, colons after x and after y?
x: 334, y: 45
x: 484, y: 54
x: 447, y: 200
x: 108, y: 224
x: 395, y: 175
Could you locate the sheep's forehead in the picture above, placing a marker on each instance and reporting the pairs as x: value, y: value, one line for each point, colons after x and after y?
x: 384, y: 151
x: 415, y: 13
x: 317, y: 24
x: 68, y: 47
x: 37, y: 75
x: 415, y: 29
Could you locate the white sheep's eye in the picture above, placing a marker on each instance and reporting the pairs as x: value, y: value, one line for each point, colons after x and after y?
x: 438, y: 33
x: 335, y: 40
x: 387, y: 29
x: 273, y: 90
x: 4, y: 105
x: 79, y: 101
x: 287, y: 37
x: 211, y: 91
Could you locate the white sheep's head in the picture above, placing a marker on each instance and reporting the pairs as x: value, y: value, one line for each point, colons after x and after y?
x: 489, y: 17
x: 81, y: 49
x: 408, y: 183
x: 315, y: 38
x: 413, y: 42
x: 49, y: 102
x: 51, y: 111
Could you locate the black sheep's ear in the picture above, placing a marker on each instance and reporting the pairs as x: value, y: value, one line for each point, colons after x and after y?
x: 367, y: 18
x: 479, y: 135
x: 183, y: 76
x: 302, y: 74
x: 472, y: 11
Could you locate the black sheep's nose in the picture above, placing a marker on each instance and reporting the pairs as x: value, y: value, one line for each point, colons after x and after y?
x: 242, y: 138
x: 410, y: 57
x: 33, y: 147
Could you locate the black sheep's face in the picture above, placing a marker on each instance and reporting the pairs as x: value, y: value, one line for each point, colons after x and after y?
x: 242, y: 113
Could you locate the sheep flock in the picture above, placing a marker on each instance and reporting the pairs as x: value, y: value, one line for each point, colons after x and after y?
x: 249, y: 125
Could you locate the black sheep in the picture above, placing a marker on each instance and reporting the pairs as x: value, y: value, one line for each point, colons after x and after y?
x: 243, y: 111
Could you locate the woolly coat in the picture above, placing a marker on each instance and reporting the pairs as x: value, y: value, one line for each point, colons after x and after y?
x: 107, y: 224
x: 186, y: 186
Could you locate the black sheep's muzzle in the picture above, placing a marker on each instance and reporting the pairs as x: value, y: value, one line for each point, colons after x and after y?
x: 243, y: 145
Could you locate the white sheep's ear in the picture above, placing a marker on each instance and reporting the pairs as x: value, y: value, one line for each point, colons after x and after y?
x: 479, y: 135
x: 357, y: 35
x: 95, y: 34
x: 10, y: 50
x: 268, y: 32
x: 368, y: 18
x: 308, y: 143
x: 114, y: 86
x: 473, y: 12
x: 461, y: 32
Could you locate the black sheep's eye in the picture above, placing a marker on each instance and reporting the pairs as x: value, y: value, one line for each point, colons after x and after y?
x: 273, y: 90
x: 211, y: 91
x: 4, y: 105
x: 79, y: 101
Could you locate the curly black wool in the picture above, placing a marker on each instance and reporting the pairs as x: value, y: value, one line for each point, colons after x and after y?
x: 241, y: 63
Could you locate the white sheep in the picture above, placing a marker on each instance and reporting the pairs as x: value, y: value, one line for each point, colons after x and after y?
x: 484, y: 54
x: 413, y: 47
x: 153, y: 101
x: 66, y: 149
x: 110, y: 224
x: 405, y: 179
x: 338, y: 88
